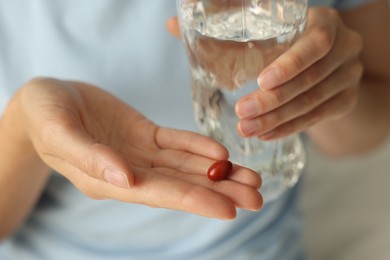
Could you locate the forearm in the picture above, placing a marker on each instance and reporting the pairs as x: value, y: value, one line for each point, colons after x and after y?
x: 22, y: 174
x: 368, y: 124
x: 365, y: 127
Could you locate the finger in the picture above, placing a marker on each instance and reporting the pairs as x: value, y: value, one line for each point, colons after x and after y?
x: 168, y: 138
x: 181, y: 195
x: 69, y: 143
x: 161, y: 191
x: 261, y: 102
x: 346, y: 77
x: 327, y: 110
x: 241, y: 195
x: 313, y: 45
x: 245, y: 176
x: 199, y: 165
x: 57, y: 131
x: 173, y: 26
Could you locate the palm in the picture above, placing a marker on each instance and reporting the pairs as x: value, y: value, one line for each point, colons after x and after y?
x: 117, y: 125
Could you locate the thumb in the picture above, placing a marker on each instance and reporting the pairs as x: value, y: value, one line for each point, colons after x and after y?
x: 103, y: 162
x: 75, y: 147
x: 173, y: 26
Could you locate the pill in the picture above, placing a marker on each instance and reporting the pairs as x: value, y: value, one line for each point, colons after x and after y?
x: 219, y: 170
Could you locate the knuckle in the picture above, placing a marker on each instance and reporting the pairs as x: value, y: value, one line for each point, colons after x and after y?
x: 270, y: 121
x: 271, y: 99
x: 350, y: 98
x: 360, y: 67
x: 277, y: 97
x: 358, y: 70
x: 322, y: 38
x: 332, y: 14
x: 296, y: 61
x: 310, y: 98
x: 355, y: 42
x: 288, y: 128
x: 316, y: 116
x: 355, y: 71
x: 312, y: 75
x: 301, y: 123
x: 90, y: 167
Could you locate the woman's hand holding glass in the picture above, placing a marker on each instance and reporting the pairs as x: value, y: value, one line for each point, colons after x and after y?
x: 315, y: 80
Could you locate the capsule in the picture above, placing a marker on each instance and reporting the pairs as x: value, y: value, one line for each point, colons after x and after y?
x: 219, y: 170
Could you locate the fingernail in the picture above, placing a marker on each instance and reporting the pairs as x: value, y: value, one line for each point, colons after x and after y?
x: 269, y: 79
x: 247, y: 108
x: 116, y: 177
x: 248, y: 127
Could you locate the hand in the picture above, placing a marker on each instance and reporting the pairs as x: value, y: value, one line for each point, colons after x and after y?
x: 316, y: 80
x: 109, y: 150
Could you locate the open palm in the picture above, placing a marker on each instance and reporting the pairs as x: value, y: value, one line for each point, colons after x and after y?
x: 109, y: 150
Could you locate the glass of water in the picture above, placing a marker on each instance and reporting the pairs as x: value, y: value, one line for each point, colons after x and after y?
x: 228, y: 43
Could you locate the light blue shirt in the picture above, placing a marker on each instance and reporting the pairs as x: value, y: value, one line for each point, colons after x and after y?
x: 122, y: 46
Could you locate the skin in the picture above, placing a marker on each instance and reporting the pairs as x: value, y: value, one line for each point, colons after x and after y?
x: 84, y: 133
x: 317, y: 86
x: 333, y: 83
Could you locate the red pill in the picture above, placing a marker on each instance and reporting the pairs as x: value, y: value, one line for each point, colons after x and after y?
x: 219, y: 170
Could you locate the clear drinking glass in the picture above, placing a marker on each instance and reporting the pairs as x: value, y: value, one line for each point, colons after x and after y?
x: 228, y: 43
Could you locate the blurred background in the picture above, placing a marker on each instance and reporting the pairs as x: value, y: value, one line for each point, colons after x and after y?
x: 346, y: 206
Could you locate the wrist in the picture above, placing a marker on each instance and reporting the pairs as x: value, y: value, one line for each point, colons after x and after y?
x: 23, y: 174
x: 12, y: 124
x: 14, y: 136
